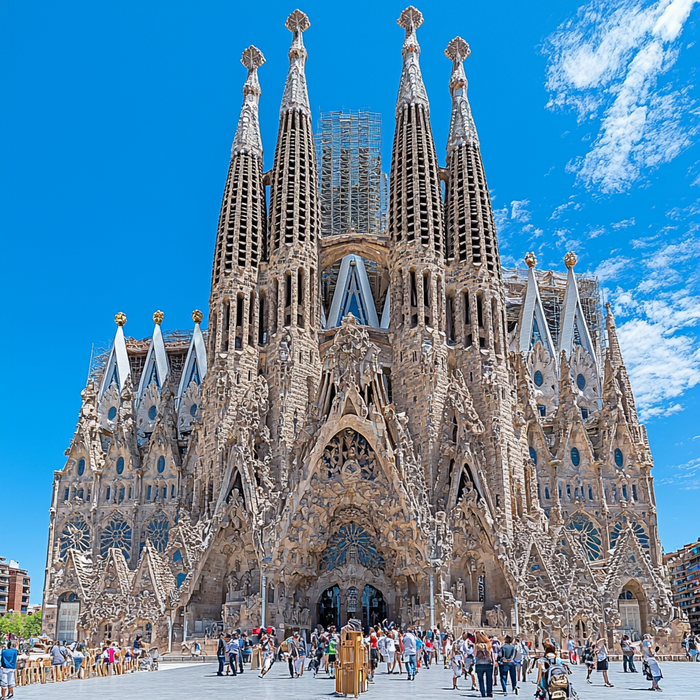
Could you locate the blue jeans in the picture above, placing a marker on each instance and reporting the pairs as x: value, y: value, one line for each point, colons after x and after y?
x: 411, y: 666
x: 232, y: 658
x: 506, y: 669
x: 628, y: 661
x: 484, y: 672
x: 222, y: 663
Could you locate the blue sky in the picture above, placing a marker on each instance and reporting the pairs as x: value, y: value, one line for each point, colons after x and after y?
x: 116, y: 128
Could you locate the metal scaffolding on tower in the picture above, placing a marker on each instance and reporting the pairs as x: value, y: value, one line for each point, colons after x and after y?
x: 352, y: 185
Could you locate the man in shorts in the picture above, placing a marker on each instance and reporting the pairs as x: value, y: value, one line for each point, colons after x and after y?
x: 8, y: 666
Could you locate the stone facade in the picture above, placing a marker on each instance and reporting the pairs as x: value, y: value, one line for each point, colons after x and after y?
x: 472, y: 459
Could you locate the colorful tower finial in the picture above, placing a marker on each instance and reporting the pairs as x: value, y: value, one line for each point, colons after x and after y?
x: 570, y: 260
x: 158, y: 317
x: 120, y: 318
x: 530, y: 260
x: 197, y: 316
x: 411, y: 88
x: 247, y: 138
x: 462, y: 127
x: 296, y: 96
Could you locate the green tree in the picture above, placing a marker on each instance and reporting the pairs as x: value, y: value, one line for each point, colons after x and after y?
x: 21, y: 625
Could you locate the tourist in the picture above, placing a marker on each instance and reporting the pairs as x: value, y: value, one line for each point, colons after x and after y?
x: 240, y: 644
x: 292, y: 644
x: 602, y: 660
x: 457, y: 665
x: 58, y: 658
x: 496, y: 647
x: 627, y: 654
x: 466, y: 646
x: 220, y: 653
x: 409, y: 650
x: 649, y: 659
x: 447, y: 644
x: 484, y: 663
x: 267, y: 645
x: 332, y: 650
x: 428, y: 650
x: 78, y: 656
x: 8, y: 666
x: 506, y: 665
x: 373, y: 654
x: 137, y: 646
x: 419, y: 649
x: 693, y: 647
x: 571, y: 648
x: 389, y: 652
x: 232, y: 654
x: 589, y: 658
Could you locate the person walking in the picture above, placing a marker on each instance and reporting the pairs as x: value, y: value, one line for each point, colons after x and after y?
x: 78, y: 656
x: 627, y: 654
x: 332, y: 650
x: 220, y: 653
x: 373, y: 654
x: 506, y: 665
x: 232, y: 654
x: 409, y: 650
x: 457, y: 665
x: 693, y: 647
x: 649, y: 658
x: 57, y: 661
x: 239, y: 644
x: 484, y: 662
x: 390, y: 651
x: 602, y: 660
x: 8, y: 667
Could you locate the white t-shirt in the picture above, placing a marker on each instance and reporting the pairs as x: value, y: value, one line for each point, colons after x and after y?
x: 409, y: 644
x: 390, y: 645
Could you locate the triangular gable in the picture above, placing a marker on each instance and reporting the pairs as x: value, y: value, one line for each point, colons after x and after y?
x: 156, y: 367
x: 573, y: 329
x: 195, y: 368
x: 533, y: 322
x: 117, y: 369
x: 353, y: 294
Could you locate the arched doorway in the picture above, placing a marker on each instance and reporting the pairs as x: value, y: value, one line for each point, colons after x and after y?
x: 329, y: 607
x: 630, y: 614
x: 373, y: 607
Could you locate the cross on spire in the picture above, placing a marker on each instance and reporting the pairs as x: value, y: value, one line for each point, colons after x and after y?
x: 296, y: 96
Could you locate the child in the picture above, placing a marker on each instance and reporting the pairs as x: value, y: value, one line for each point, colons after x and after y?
x: 457, y: 665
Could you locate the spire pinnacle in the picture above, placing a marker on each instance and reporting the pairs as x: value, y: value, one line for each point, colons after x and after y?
x: 247, y: 138
x: 296, y: 96
x: 462, y: 127
x: 411, y: 88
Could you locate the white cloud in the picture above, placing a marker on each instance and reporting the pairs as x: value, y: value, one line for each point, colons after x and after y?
x: 625, y: 223
x: 519, y: 210
x: 611, y: 268
x: 686, y: 475
x: 609, y: 59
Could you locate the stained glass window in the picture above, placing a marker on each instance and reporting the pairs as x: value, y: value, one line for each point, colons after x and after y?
x: 193, y: 410
x: 81, y: 467
x: 588, y: 534
x: 161, y: 464
x: 575, y: 456
x: 180, y: 579
x: 116, y: 535
x: 638, y: 530
x: 157, y: 532
x: 112, y: 414
x: 75, y: 535
x: 152, y: 412
x: 533, y: 454
x: 538, y: 378
x: 120, y: 465
x: 351, y: 544
x: 580, y: 382
x: 619, y: 459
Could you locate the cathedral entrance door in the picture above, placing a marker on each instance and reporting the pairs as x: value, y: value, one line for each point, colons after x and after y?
x: 373, y: 607
x: 329, y: 608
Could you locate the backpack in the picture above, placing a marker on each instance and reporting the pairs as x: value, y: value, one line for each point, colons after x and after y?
x: 692, y: 644
x: 557, y: 681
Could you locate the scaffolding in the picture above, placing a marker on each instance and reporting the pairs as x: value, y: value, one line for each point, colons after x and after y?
x: 352, y: 186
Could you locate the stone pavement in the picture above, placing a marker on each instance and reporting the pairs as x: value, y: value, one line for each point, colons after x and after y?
x: 199, y: 681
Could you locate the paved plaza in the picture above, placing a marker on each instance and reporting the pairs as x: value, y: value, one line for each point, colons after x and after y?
x: 198, y: 681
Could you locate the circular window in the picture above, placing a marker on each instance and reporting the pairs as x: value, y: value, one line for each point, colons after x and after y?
x: 112, y: 414
x: 539, y: 379
x: 575, y: 456
x: 81, y: 467
x: 533, y: 455
x: 152, y: 412
x: 193, y: 410
x: 120, y: 465
x: 161, y: 464
x: 580, y: 382
x: 619, y: 459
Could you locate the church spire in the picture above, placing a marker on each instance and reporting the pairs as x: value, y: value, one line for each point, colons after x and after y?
x: 415, y: 209
x: 247, y: 138
x: 411, y: 89
x: 471, y: 231
x: 241, y: 230
x: 533, y: 322
x: 296, y: 96
x: 617, y: 365
x: 462, y: 127
x: 573, y: 327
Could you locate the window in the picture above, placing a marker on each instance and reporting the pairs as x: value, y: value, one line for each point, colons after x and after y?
x: 584, y: 413
x: 148, y: 493
x: 533, y: 455
x: 112, y: 414
x: 590, y: 492
x: 120, y: 465
x: 152, y: 412
x: 634, y: 492
x: 164, y: 492
x: 575, y: 456
x: 81, y: 467
x: 542, y: 410
x: 172, y: 491
x: 624, y: 492
x: 559, y: 491
x: 161, y: 464
x: 568, y: 491
x: 121, y: 494
x: 108, y: 494
x: 193, y: 410
x: 181, y: 579
x: 66, y: 494
x: 580, y: 382
x: 538, y: 378
x: 619, y: 459
x: 546, y: 492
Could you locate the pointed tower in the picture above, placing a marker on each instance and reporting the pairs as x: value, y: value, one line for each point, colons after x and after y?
x: 573, y: 329
x: 292, y: 365
x: 533, y: 323
x: 475, y: 300
x: 619, y: 370
x: 416, y: 258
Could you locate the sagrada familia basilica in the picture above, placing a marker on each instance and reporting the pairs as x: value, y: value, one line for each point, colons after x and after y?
x: 377, y: 422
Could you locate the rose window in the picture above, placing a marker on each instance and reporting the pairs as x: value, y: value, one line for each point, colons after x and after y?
x: 75, y: 535
x: 157, y: 532
x: 587, y: 533
x: 116, y: 535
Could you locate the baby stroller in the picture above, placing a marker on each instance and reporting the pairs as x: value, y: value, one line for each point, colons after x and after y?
x: 149, y: 662
x: 556, y: 684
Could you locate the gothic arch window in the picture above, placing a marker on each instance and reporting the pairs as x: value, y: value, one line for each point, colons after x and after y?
x: 349, y: 455
x: 639, y: 531
x: 619, y: 458
x: 81, y: 466
x: 158, y: 531
x: 75, y: 535
x: 120, y: 465
x: 116, y: 535
x: 588, y: 534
